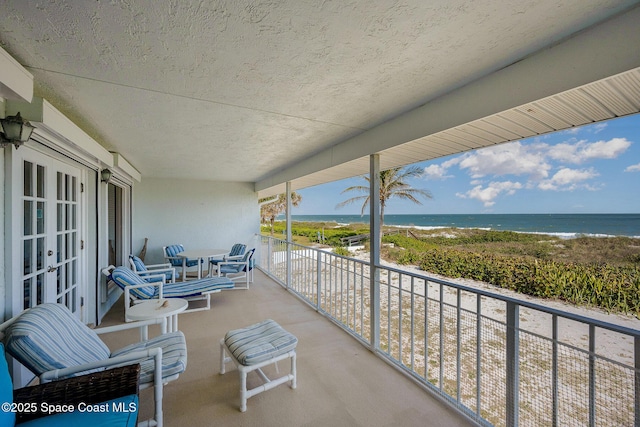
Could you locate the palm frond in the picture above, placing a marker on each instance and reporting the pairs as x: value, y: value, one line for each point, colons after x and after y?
x: 353, y: 200
x: 392, y: 184
x: 361, y: 188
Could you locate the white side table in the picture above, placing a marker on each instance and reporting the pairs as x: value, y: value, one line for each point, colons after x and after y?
x: 167, y: 308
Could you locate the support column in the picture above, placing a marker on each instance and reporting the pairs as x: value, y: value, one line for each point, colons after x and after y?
x: 288, y: 221
x: 374, y: 242
x: 513, y: 364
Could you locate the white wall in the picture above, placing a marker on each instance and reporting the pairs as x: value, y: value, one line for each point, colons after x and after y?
x: 197, y: 214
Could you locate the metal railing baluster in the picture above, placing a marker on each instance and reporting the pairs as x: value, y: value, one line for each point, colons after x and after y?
x: 554, y: 370
x: 513, y: 364
x: 478, y: 354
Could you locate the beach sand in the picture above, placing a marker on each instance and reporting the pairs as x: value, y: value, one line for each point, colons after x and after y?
x: 533, y: 320
x: 613, y: 362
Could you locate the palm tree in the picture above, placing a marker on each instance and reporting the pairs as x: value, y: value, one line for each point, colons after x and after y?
x: 392, y: 184
x: 269, y: 211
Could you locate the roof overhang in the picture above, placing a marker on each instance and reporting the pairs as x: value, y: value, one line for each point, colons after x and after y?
x: 591, y: 77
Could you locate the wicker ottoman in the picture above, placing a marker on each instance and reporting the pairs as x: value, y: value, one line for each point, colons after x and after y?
x: 254, y: 347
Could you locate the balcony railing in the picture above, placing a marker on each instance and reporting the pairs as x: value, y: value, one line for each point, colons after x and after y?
x: 501, y: 361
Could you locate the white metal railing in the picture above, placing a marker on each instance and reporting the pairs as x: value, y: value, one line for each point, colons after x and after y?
x: 501, y: 361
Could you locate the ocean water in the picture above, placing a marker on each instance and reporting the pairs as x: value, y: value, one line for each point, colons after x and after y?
x: 563, y: 225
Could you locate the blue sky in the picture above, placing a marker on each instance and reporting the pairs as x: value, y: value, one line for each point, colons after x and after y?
x: 589, y: 169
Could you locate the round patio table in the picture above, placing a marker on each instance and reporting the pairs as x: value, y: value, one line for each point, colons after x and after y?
x: 167, y: 308
x: 201, y: 255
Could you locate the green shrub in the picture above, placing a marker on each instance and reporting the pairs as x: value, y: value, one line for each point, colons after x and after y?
x: 341, y: 250
x: 332, y: 233
x: 611, y: 288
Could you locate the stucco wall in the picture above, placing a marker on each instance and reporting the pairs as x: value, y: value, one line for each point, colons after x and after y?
x: 198, y: 214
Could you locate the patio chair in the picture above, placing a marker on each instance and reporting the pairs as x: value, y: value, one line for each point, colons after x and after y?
x: 238, y: 269
x: 236, y: 253
x: 111, y: 388
x: 171, y: 256
x: 54, y: 344
x: 136, y: 289
x: 152, y: 272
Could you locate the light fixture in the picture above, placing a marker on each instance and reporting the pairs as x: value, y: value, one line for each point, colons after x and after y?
x: 15, y: 130
x: 105, y: 175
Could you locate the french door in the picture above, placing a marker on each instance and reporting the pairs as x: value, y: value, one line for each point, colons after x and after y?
x: 49, y: 239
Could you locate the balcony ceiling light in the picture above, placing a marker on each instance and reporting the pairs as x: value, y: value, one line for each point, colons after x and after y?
x: 15, y: 130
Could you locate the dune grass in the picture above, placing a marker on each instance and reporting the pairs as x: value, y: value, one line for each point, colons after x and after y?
x: 602, y: 272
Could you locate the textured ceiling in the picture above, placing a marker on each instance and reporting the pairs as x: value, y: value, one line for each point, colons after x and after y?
x: 238, y: 91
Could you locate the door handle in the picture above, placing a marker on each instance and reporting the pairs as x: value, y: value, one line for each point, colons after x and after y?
x: 51, y: 269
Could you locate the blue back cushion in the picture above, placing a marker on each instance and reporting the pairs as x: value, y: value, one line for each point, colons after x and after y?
x: 249, y: 256
x: 237, y: 249
x: 49, y: 336
x: 138, y: 263
x: 7, y: 418
x: 123, y: 277
x: 172, y: 251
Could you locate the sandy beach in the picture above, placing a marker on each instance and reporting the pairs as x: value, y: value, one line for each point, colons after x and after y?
x: 613, y: 361
x: 533, y: 320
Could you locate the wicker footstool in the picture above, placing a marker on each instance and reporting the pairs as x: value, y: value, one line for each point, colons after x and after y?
x: 254, y: 347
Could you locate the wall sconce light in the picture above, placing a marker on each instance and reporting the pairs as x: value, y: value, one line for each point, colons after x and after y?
x: 105, y: 175
x: 15, y: 130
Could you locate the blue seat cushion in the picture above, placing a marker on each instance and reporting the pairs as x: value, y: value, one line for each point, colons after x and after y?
x: 196, y: 287
x: 236, y: 250
x: 124, y: 277
x: 7, y: 418
x: 112, y: 413
x: 238, y: 266
x: 49, y: 336
x: 174, y: 355
x: 259, y: 342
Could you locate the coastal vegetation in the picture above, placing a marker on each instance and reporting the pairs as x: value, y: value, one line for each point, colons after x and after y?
x: 271, y: 207
x: 594, y: 271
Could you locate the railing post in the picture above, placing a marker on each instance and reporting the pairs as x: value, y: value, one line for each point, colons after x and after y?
x: 478, y: 354
x: 554, y: 370
x: 288, y: 215
x: 270, y: 253
x: 374, y: 242
x: 512, y: 362
x: 318, y: 278
x: 636, y: 351
x: 592, y: 376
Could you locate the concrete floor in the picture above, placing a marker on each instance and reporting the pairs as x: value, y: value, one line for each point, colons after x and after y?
x: 340, y: 382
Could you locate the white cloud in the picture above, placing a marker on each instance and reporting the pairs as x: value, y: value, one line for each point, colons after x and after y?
x: 633, y: 168
x: 507, y: 159
x: 436, y: 172
x: 544, y: 166
x: 599, y: 127
x: 488, y: 194
x: 567, y: 179
x: 440, y: 171
x: 583, y: 151
x: 591, y: 128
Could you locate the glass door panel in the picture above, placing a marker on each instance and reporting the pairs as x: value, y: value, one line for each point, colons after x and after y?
x: 50, y: 233
x: 67, y: 236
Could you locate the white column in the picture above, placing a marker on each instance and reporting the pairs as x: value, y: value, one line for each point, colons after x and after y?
x: 374, y: 241
x: 288, y: 221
